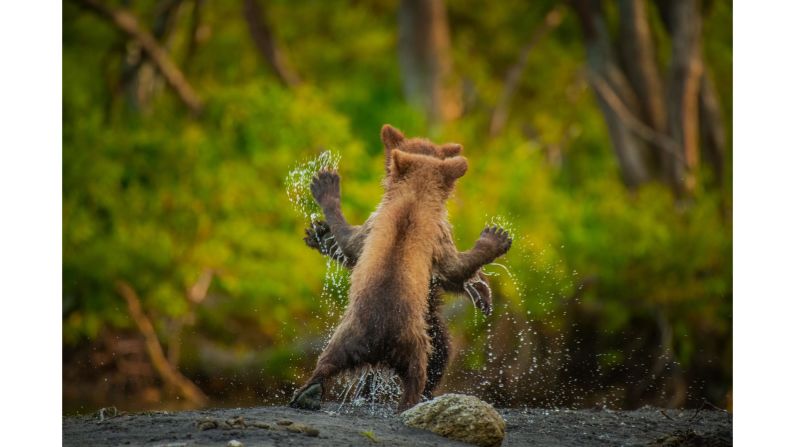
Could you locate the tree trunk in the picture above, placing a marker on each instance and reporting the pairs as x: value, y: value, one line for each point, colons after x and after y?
x: 266, y: 43
x: 127, y: 23
x: 713, y: 130
x: 500, y: 116
x: 685, y: 78
x: 425, y: 59
x: 193, y: 37
x: 166, y: 370
x: 640, y: 60
x: 632, y: 152
x: 141, y: 77
x: 637, y: 104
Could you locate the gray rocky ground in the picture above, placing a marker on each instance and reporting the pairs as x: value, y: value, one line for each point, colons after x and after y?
x: 261, y: 427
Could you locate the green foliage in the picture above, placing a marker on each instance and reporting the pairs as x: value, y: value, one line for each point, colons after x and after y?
x: 153, y: 196
x: 158, y: 203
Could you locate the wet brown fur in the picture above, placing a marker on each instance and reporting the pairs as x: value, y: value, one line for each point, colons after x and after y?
x: 345, y: 245
x: 385, y: 322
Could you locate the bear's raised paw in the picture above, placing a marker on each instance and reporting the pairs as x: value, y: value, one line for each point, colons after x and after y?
x: 495, y: 240
x: 325, y: 187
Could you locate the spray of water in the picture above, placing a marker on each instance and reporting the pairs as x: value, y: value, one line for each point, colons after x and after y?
x: 373, y: 391
x: 521, y: 352
x: 377, y: 391
x: 299, y: 178
x: 336, y: 279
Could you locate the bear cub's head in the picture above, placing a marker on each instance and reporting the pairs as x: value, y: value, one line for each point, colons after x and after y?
x: 393, y: 139
x: 423, y: 177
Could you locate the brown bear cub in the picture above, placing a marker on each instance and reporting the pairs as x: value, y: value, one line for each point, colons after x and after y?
x: 348, y: 249
x: 345, y: 241
x: 384, y: 324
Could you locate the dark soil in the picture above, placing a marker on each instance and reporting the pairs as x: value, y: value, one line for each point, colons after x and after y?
x: 277, y: 426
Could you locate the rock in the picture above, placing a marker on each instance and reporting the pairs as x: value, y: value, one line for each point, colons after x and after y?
x: 207, y: 424
x: 234, y: 443
x: 236, y: 422
x: 294, y: 428
x: 460, y: 417
x: 312, y: 432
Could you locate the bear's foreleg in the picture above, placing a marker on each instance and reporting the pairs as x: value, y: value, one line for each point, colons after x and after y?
x: 335, y: 237
x: 459, y: 267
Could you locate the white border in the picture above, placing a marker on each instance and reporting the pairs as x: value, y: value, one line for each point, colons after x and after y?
x: 30, y: 226
x: 764, y: 169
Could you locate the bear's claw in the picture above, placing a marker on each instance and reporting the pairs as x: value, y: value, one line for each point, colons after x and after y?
x: 498, y: 239
x: 316, y: 236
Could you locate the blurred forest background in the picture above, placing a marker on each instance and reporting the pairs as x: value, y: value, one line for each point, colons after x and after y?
x: 602, y: 130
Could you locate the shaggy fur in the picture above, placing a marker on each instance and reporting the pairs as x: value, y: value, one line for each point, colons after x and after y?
x: 388, y: 321
x: 320, y: 237
x: 385, y: 321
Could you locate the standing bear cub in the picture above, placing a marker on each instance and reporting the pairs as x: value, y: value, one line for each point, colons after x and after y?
x: 384, y: 324
x: 344, y: 242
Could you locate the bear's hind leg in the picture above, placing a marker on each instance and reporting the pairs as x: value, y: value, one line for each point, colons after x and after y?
x: 309, y: 396
x: 337, y: 357
x: 438, y: 358
x: 412, y: 370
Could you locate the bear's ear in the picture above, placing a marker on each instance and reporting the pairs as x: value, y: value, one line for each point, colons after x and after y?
x: 454, y: 168
x: 451, y: 150
x: 391, y: 137
x: 399, y: 164
x: 402, y: 163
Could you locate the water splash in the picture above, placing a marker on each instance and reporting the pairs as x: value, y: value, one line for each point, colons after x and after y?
x: 520, y: 346
x: 370, y: 390
x: 503, y: 266
x: 299, y: 178
x: 336, y: 279
x: 511, y: 338
x: 503, y: 222
x: 335, y: 287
